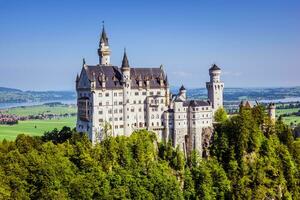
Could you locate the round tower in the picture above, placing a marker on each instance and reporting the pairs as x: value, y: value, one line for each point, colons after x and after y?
x: 125, y: 69
x: 182, y: 92
x: 215, y: 87
x: 272, y: 112
x: 103, y: 50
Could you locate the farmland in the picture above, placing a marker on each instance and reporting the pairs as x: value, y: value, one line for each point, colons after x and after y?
x: 291, y: 118
x: 38, y: 127
x: 34, y: 127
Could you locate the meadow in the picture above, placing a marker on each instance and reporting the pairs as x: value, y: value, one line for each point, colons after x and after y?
x: 289, y: 119
x: 34, y: 127
x: 42, y: 109
x: 37, y: 127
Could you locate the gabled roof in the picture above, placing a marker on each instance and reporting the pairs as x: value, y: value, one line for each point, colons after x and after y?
x: 196, y: 103
x: 113, y: 76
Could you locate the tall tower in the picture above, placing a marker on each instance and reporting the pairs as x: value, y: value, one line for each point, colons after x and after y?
x: 126, y: 94
x: 215, y: 87
x: 103, y: 51
x: 272, y: 112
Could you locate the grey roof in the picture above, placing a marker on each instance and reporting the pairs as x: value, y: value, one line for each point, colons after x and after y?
x: 113, y: 76
x: 214, y: 67
x: 196, y: 103
x: 182, y: 88
x: 125, y: 63
x: 104, y: 38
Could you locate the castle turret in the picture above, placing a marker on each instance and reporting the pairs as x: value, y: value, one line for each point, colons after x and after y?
x: 215, y: 87
x: 182, y: 92
x: 103, y: 50
x: 125, y: 69
x: 272, y: 112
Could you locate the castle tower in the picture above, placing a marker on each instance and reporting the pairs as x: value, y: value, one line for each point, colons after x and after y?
x: 272, y: 112
x: 125, y: 69
x: 215, y: 87
x: 103, y: 50
x: 182, y: 92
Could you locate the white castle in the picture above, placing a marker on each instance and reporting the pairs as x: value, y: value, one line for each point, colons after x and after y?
x: 116, y: 101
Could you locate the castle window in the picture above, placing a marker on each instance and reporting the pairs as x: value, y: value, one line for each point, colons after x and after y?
x: 116, y: 111
x: 120, y: 118
x: 134, y: 102
x: 120, y: 103
x: 120, y: 93
x: 116, y: 126
x: 157, y: 116
x: 110, y: 119
x: 206, y: 108
x: 100, y: 94
x: 140, y: 109
x: 107, y: 94
x: 132, y: 109
x: 194, y: 122
x: 115, y: 94
x: 151, y: 93
x: 109, y: 111
x: 127, y: 101
x: 193, y: 116
x: 100, y: 112
x: 115, y: 103
x: 127, y: 116
x: 107, y: 103
x: 202, y: 108
x: 120, y: 111
x: 162, y: 109
x: 136, y: 93
x: 152, y: 116
x: 121, y: 126
x: 162, y: 123
x: 100, y: 120
x: 100, y: 103
x: 116, y: 119
x: 157, y: 123
x: 161, y: 101
x: 144, y: 93
x: 140, y: 101
x: 158, y: 93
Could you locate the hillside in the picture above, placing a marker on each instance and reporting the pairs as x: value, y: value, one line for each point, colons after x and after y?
x: 10, y: 95
x: 246, y: 162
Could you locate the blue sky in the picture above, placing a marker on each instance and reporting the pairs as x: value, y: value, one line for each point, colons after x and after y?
x: 256, y: 43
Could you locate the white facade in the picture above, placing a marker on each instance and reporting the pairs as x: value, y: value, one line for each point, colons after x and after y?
x: 116, y: 101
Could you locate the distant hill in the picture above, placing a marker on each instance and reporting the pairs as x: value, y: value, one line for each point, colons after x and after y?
x: 11, y: 95
x: 5, y: 89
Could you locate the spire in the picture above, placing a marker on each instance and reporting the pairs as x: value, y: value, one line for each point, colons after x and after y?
x: 104, y: 38
x: 77, y: 78
x: 83, y: 61
x: 125, y: 63
x: 182, y: 88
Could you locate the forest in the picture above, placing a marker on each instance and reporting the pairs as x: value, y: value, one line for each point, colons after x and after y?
x: 250, y: 158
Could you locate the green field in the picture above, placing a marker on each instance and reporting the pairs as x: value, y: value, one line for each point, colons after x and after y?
x: 41, y: 109
x: 290, y: 119
x: 34, y: 127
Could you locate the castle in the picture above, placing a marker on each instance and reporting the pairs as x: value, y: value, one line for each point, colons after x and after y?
x: 116, y: 101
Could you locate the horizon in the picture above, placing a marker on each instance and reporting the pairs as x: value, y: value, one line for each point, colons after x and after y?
x: 43, y: 43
